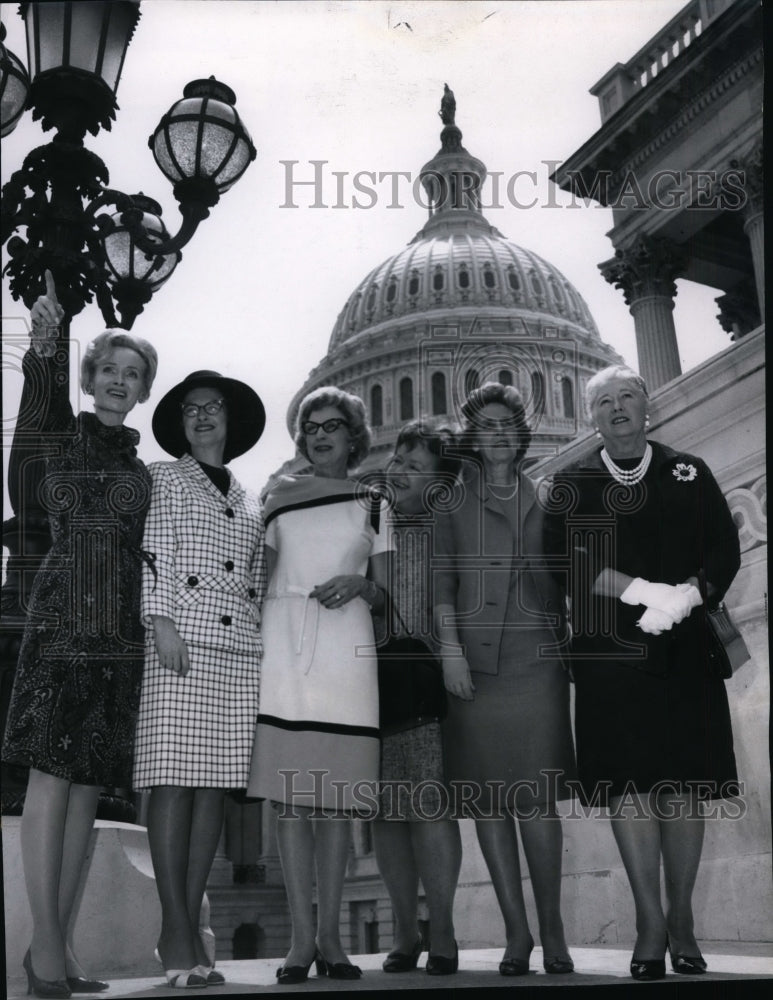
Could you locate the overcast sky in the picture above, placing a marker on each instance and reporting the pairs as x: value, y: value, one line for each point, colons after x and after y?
x: 358, y: 85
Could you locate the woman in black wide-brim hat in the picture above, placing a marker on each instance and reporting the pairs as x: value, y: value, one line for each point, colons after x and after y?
x: 200, y: 606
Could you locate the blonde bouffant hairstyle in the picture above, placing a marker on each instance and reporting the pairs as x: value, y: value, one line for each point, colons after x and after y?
x: 107, y: 341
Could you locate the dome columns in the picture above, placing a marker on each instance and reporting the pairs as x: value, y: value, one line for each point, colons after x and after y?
x: 645, y: 273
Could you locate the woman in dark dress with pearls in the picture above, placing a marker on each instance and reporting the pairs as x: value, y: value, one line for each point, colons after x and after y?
x: 647, y: 540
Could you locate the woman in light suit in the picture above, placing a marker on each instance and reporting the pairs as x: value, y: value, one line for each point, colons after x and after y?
x: 200, y: 605
x: 507, y: 737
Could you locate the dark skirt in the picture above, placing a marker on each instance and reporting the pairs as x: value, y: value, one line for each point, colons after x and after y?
x: 637, y: 732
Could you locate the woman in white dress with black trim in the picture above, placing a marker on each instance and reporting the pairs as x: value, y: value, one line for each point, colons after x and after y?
x: 316, y: 752
x: 200, y: 605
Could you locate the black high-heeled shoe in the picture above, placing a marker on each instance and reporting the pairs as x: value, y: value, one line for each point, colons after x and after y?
x: 516, y: 966
x: 558, y: 966
x: 646, y: 969
x: 287, y: 974
x: 336, y: 970
x: 80, y: 985
x: 43, y: 987
x: 687, y: 965
x: 399, y: 961
x: 439, y: 965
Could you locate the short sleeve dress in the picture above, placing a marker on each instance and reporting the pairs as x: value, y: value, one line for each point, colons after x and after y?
x: 77, y: 686
x: 317, y: 738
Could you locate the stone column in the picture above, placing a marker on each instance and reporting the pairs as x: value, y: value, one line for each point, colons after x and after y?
x: 645, y: 273
x: 754, y: 219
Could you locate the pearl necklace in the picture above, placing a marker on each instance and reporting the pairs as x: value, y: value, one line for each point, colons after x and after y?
x: 502, y: 491
x: 628, y: 477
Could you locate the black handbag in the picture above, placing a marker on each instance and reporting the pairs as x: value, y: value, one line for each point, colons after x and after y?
x: 726, y: 650
x: 411, y: 690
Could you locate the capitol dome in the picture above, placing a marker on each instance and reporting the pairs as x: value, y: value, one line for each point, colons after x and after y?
x: 439, y: 271
x: 460, y: 305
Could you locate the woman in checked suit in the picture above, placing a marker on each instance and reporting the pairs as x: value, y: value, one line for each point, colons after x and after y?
x: 200, y: 606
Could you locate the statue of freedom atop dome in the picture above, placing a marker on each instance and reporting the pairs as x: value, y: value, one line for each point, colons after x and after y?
x: 447, y: 106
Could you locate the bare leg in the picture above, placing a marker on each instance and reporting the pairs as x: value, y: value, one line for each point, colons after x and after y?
x: 295, y: 840
x: 206, y: 827
x: 395, y: 857
x: 682, y: 844
x: 437, y: 847
x: 542, y: 840
x: 169, y: 833
x: 42, y: 846
x: 637, y: 833
x: 499, y: 844
x: 79, y: 822
x: 332, y: 836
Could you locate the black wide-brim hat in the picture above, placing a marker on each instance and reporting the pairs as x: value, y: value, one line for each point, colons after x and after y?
x: 246, y: 414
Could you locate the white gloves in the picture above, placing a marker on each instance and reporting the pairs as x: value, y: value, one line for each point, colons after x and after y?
x: 675, y: 601
x: 654, y: 622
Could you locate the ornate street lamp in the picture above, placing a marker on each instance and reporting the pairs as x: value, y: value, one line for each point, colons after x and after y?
x: 58, y: 212
x: 75, y: 54
x: 14, y: 88
x: 134, y: 274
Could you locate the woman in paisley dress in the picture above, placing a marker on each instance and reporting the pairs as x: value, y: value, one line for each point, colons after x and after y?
x: 77, y: 684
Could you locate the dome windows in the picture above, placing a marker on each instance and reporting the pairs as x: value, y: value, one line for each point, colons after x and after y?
x: 406, y: 399
x: 439, y: 399
x: 413, y: 283
x: 558, y: 295
x: 376, y: 406
x: 438, y: 280
x: 471, y: 381
x: 489, y: 276
x: 537, y: 392
x: 391, y: 292
x: 567, y: 397
x: 464, y: 276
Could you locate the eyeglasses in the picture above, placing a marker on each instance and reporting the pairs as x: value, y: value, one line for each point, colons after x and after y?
x: 328, y: 426
x: 211, y: 407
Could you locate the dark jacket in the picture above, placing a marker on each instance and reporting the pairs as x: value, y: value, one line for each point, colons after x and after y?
x: 682, y: 529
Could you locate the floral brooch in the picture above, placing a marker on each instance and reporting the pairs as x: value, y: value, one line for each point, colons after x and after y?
x: 685, y: 473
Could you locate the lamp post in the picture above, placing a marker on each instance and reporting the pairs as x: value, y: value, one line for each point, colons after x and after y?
x: 59, y: 213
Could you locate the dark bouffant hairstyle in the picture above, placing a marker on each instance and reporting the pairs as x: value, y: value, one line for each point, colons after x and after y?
x: 494, y: 392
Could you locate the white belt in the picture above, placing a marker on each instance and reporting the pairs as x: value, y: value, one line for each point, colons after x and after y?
x: 301, y: 592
